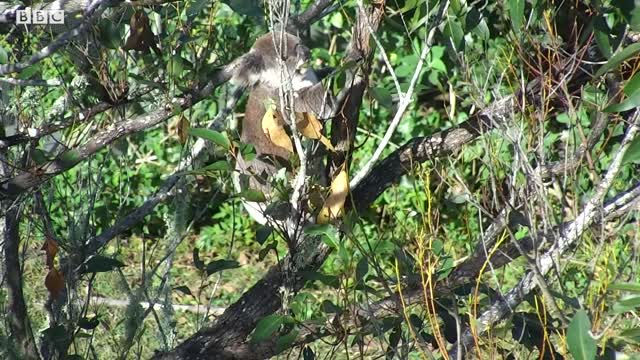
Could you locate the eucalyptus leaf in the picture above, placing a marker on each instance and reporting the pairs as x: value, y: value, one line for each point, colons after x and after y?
x: 99, y: 264
x: 215, y: 137
x: 581, y: 345
x: 618, y: 58
x: 266, y: 327
x: 219, y: 265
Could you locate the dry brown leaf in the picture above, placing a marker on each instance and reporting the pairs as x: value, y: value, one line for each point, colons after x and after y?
x: 334, y: 204
x: 50, y: 248
x: 310, y: 127
x: 183, y: 129
x: 54, y: 282
x: 141, y: 37
x: 275, y: 131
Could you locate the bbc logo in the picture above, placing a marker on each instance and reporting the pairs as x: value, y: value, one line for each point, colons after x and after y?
x: 28, y: 16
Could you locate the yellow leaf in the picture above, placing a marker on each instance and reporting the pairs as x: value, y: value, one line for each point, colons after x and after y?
x: 334, y: 204
x: 275, y: 131
x: 310, y: 127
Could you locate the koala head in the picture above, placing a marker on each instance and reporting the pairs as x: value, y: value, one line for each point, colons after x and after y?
x: 260, y: 66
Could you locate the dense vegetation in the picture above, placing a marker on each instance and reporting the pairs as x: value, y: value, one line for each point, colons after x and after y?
x: 498, y: 217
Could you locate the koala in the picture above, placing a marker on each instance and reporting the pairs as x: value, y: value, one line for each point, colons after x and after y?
x: 258, y: 71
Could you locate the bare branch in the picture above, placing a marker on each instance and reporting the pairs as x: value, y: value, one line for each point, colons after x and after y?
x: 405, y: 99
x: 568, y: 237
x: 92, y: 12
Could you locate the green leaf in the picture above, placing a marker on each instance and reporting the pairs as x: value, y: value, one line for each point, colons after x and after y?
x: 284, y: 342
x: 197, y: 262
x: 516, y: 12
x: 627, y: 104
x: 266, y: 327
x: 407, y: 66
x: 252, y: 195
x: 337, y: 20
x: 631, y: 287
x: 618, y: 58
x: 634, y: 23
x: 308, y: 354
x: 215, y: 137
x: 175, y: 66
x: 581, y: 344
x: 220, y: 165
x: 602, y: 31
x: 329, y: 233
x: 248, y: 151
x: 219, y: 265
x: 4, y: 57
x: 632, y: 334
x: 632, y: 84
x: 263, y: 233
x: 39, y: 157
x: 445, y: 268
x: 628, y: 303
x: 633, y: 152
x: 70, y: 157
x: 108, y: 34
x: 88, y: 323
x: 361, y: 269
x: 264, y: 251
x: 29, y: 71
x: 329, y: 280
x: 183, y: 289
x: 100, y: 263
x: 245, y: 7
x: 330, y: 308
x: 382, y: 96
x: 196, y: 7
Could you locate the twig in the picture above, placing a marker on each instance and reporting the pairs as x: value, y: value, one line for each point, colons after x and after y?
x: 568, y: 237
x: 405, y: 99
x: 93, y: 11
x: 30, y: 82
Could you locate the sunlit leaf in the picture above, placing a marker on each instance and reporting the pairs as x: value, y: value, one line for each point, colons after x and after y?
x: 618, y: 58
x: 311, y: 128
x: 272, y: 127
x: 266, y: 327
x: 334, y: 204
x: 215, y: 137
x: 627, y: 104
x: 581, y: 345
x: 631, y: 287
x: 516, y: 12
x: 633, y: 151
x: 252, y: 195
x: 4, y: 57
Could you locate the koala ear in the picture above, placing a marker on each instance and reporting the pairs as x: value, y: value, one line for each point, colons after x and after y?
x: 247, y: 69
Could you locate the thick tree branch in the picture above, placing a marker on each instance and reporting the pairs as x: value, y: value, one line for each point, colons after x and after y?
x: 37, y: 175
x: 19, y: 323
x: 421, y: 149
